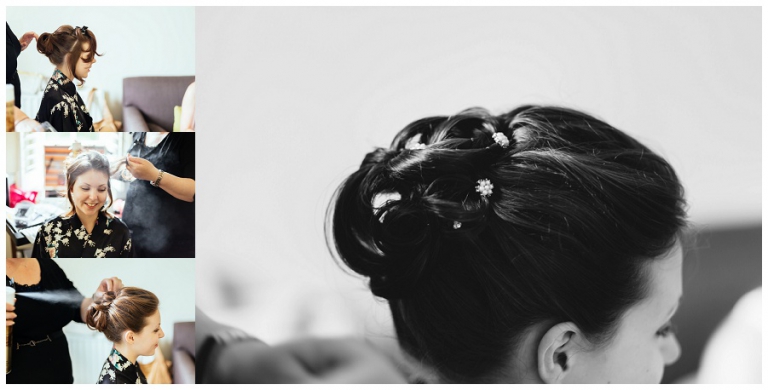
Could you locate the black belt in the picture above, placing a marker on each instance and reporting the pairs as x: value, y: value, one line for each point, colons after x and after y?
x: 39, y: 340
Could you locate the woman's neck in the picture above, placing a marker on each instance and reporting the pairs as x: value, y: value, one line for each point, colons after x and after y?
x: 126, y: 352
x: 64, y: 69
x: 88, y: 222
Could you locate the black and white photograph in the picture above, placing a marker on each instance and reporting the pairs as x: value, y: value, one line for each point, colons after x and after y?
x: 480, y: 195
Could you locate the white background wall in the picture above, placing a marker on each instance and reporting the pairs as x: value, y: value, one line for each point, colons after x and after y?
x: 135, y: 41
x: 311, y: 90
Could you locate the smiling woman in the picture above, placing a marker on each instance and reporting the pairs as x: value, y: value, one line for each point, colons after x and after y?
x: 73, y: 51
x: 87, y: 229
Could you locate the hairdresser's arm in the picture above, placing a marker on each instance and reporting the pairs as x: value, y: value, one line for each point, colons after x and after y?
x: 305, y: 361
x: 178, y: 187
x: 110, y: 284
x: 26, y: 39
x: 25, y: 124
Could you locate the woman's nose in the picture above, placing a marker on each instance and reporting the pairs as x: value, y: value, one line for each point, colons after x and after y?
x: 162, y: 334
x: 671, y: 350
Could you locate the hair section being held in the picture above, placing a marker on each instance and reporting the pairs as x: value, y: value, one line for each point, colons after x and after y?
x: 476, y: 227
x: 128, y: 309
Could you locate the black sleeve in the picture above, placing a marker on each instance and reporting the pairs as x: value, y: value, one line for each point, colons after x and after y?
x: 12, y: 50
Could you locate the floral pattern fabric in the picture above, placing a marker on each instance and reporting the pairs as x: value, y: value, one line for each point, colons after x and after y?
x: 66, y: 237
x: 118, y: 370
x: 63, y: 107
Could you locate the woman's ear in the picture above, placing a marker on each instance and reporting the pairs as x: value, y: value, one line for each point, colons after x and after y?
x: 556, y: 350
x: 129, y: 337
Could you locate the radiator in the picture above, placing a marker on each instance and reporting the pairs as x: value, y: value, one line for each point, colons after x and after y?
x: 89, y: 350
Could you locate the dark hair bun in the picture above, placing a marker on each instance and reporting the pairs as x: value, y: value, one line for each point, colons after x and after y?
x: 98, y: 313
x: 576, y: 210
x: 429, y: 175
x: 44, y: 44
x: 118, y: 312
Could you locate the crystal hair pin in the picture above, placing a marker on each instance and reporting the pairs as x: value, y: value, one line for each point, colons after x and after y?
x: 484, y: 187
x: 501, y: 139
x: 456, y: 224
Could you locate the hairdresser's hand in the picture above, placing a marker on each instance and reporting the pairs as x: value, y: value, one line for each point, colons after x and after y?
x: 26, y: 39
x: 25, y: 124
x: 28, y: 125
x: 110, y: 284
x: 141, y: 169
x: 306, y: 361
x: 9, y: 314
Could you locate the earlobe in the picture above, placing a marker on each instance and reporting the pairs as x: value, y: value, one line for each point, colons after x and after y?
x: 554, y: 349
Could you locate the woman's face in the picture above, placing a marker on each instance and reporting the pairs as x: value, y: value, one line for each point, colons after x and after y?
x: 148, y: 339
x: 87, y: 59
x: 644, y: 343
x: 90, y: 192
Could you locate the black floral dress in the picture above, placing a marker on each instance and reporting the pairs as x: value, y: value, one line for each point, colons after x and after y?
x: 66, y: 237
x: 63, y: 107
x: 118, y: 370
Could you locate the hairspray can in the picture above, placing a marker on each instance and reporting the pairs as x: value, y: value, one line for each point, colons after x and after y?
x: 10, y: 296
x: 9, y: 103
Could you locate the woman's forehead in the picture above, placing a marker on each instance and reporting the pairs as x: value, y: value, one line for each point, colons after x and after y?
x: 93, y: 176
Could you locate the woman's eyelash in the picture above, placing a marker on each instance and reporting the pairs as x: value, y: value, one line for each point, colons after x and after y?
x: 666, y: 330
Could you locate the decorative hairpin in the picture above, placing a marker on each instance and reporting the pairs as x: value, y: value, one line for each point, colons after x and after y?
x: 456, y: 224
x: 484, y: 187
x: 417, y: 146
x: 84, y: 31
x: 501, y: 139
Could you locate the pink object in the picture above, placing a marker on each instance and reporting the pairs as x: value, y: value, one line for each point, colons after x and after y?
x: 17, y: 195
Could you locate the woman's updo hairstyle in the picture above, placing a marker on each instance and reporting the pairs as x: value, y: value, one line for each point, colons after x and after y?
x: 67, y: 40
x: 117, y: 313
x: 577, y: 209
x: 84, y: 162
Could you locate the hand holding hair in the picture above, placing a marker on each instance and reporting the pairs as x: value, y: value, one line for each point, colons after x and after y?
x: 113, y: 284
x: 26, y: 39
x: 181, y: 188
x: 140, y: 168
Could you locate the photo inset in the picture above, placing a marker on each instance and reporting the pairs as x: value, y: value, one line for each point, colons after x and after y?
x: 100, y: 69
x: 87, y: 321
x: 75, y: 195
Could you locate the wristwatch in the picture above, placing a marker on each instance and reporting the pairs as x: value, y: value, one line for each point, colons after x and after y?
x: 156, y: 182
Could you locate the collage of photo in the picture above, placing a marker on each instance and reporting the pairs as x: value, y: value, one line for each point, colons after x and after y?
x: 100, y: 196
x: 379, y: 194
